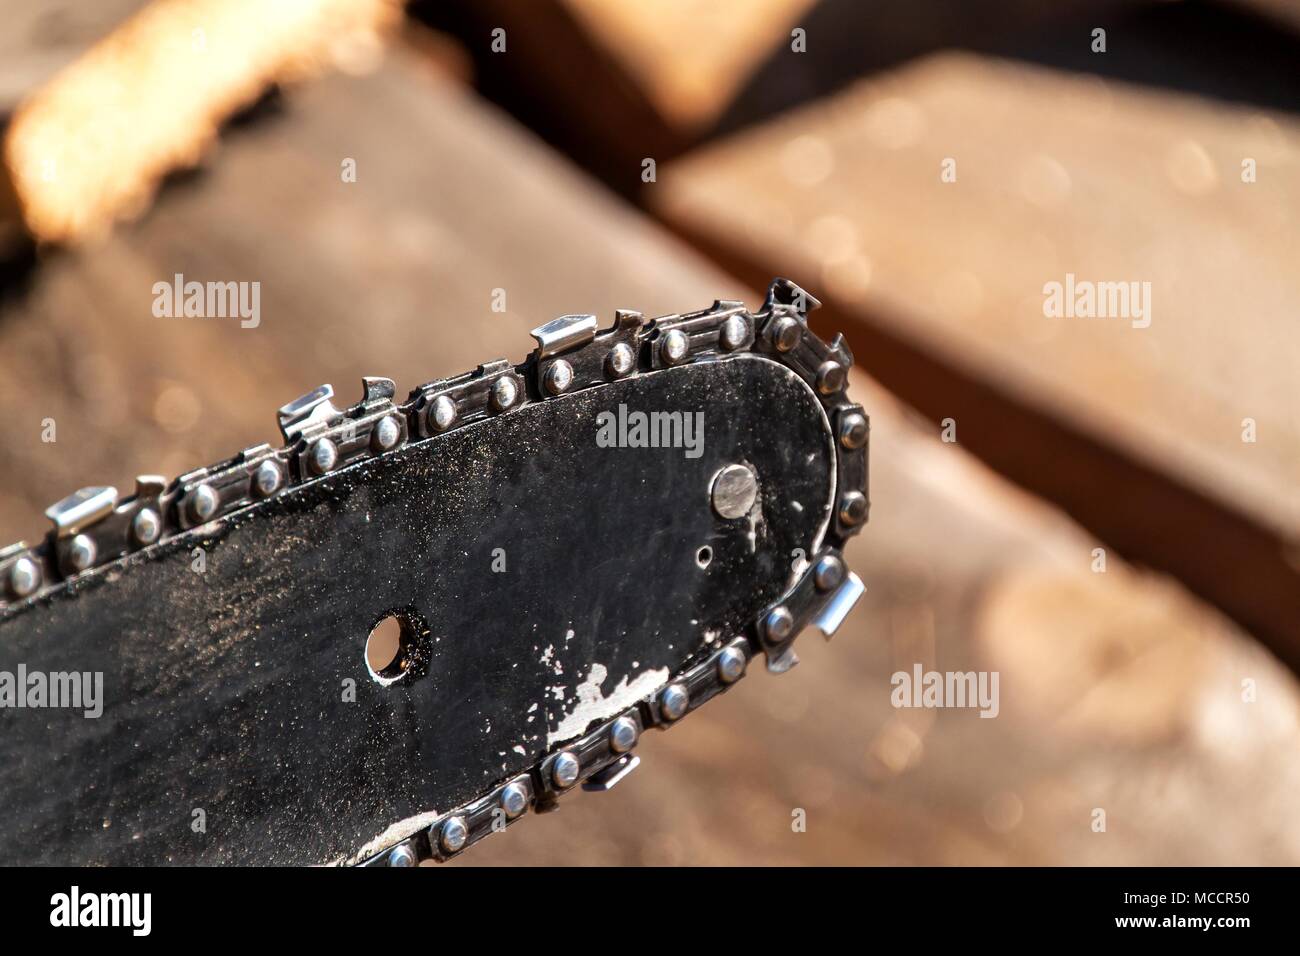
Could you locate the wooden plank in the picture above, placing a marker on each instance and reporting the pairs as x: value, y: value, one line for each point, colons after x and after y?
x: 41, y: 39
x: 395, y: 274
x: 1137, y: 428
x: 612, y: 83
x: 690, y: 81
x: 91, y: 145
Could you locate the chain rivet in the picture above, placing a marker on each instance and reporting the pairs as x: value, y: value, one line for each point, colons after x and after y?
x: 442, y: 413
x: 268, y: 478
x: 558, y: 378
x: 81, y: 552
x: 402, y: 856
x: 202, y: 503
x: 386, y: 434
x: 828, y: 573
x: 674, y: 347
x: 146, y: 526
x: 24, y: 577
x: 830, y: 378
x: 620, y: 360
x: 731, y: 664
x: 622, y: 735
x: 853, y: 508
x: 735, y: 330
x: 853, y: 430
x: 504, y: 393
x: 514, y: 800
x: 564, y: 770
x: 784, y: 334
x: 779, y: 623
x: 324, y: 456
x: 453, y: 834
x: 673, y: 701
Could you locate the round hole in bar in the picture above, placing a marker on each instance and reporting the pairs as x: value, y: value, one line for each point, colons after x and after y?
x: 391, y: 648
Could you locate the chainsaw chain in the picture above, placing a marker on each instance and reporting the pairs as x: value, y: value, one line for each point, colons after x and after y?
x: 94, y: 527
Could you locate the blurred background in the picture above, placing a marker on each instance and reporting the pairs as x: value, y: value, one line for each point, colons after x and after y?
x: 1115, y: 529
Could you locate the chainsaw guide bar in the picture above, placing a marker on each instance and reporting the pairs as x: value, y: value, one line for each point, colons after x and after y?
x: 570, y: 551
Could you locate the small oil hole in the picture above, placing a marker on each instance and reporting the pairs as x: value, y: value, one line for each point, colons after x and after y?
x: 704, y: 556
x: 390, y: 648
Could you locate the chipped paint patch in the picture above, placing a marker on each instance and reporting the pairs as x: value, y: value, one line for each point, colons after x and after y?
x: 551, y: 660
x: 593, y: 705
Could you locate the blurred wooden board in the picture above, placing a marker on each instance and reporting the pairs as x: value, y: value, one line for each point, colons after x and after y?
x: 612, y: 83
x: 698, y: 61
x: 395, y: 274
x: 39, y: 39
x: 944, y: 283
x: 690, y: 82
x: 91, y: 145
x: 1283, y: 11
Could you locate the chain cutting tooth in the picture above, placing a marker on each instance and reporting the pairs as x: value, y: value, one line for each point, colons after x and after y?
x: 150, y: 486
x: 562, y: 334
x: 81, y: 509
x: 306, y: 410
x: 376, y: 390
x: 834, y: 611
x: 602, y: 781
x: 783, y: 662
